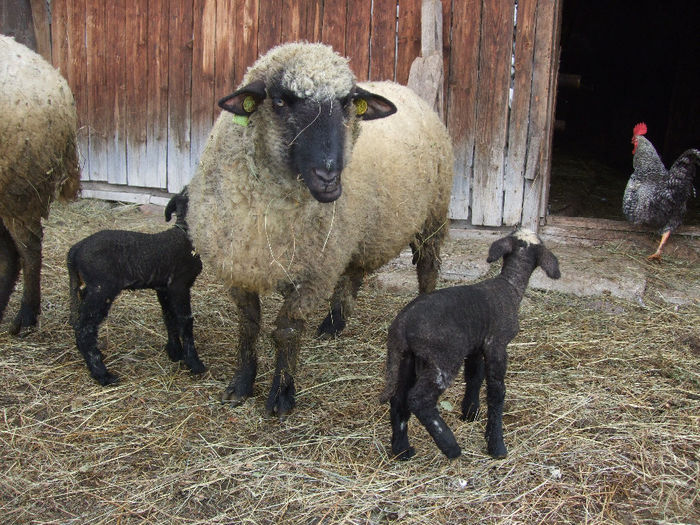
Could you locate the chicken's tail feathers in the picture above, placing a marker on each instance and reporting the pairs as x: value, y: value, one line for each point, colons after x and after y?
x: 683, y: 170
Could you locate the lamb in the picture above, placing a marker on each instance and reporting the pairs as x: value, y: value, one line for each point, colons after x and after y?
x: 38, y: 163
x: 314, y: 182
x: 435, y: 333
x: 109, y: 261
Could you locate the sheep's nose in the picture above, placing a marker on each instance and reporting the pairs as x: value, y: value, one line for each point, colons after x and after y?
x: 326, y: 176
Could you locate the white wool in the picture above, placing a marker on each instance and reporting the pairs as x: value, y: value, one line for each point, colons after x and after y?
x: 528, y: 236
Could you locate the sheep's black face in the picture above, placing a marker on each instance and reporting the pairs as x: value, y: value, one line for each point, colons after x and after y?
x: 316, y: 136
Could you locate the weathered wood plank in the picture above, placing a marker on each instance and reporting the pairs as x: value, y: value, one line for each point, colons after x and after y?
x: 115, y: 91
x: 179, y: 94
x: 203, y: 53
x: 225, y: 71
x: 99, y: 114
x: 136, y: 84
x: 246, y: 42
x: 383, y: 41
x: 157, y: 97
x: 294, y: 20
x: 514, y: 183
x: 461, y: 100
x: 358, y: 37
x: 492, y: 112
x: 270, y: 32
x: 334, y: 24
x: 409, y: 37
x: 42, y: 33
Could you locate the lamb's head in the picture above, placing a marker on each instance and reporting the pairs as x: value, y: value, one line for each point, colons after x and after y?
x: 306, y: 107
x: 178, y: 205
x: 522, y: 252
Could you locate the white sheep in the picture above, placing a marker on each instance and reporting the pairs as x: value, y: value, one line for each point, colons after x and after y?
x: 268, y: 209
x: 437, y: 333
x: 38, y: 162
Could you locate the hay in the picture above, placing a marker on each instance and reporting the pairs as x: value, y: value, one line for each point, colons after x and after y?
x: 602, y: 416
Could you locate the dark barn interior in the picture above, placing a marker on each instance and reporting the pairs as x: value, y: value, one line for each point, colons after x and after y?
x: 622, y: 63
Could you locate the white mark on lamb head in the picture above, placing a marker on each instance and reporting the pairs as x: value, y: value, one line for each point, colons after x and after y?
x: 310, y: 93
x: 527, y: 236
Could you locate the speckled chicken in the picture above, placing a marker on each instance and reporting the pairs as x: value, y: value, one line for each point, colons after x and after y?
x: 654, y: 195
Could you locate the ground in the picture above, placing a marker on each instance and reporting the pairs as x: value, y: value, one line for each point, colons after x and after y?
x: 602, y: 411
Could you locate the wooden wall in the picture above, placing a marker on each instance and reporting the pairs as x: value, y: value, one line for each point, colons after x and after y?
x: 146, y: 75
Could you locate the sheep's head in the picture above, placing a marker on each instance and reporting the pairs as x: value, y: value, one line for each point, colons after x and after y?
x: 523, y: 247
x: 307, y: 105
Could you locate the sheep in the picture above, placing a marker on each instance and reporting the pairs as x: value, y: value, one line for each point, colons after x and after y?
x: 268, y: 209
x: 109, y: 261
x: 435, y: 333
x: 38, y: 162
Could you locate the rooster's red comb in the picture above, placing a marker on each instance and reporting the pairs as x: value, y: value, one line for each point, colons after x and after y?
x: 640, y: 129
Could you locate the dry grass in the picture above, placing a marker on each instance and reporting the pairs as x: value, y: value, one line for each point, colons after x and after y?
x: 602, y: 417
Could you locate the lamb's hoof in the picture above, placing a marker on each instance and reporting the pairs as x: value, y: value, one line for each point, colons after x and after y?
x: 332, y: 325
x: 107, y: 378
x: 498, y: 451
x: 281, y: 400
x: 25, y: 321
x: 470, y: 414
x: 195, y: 366
x: 452, y: 452
x: 405, y: 455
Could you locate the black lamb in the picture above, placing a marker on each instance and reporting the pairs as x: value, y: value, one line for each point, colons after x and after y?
x: 109, y: 261
x: 436, y: 333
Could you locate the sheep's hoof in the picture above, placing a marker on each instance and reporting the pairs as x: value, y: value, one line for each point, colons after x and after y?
x: 24, y: 322
x: 405, y: 455
x: 174, y: 351
x: 241, y: 386
x: 107, y: 379
x: 498, y: 451
x: 470, y: 414
x: 281, y: 400
x: 332, y: 325
x: 452, y: 452
x: 195, y: 366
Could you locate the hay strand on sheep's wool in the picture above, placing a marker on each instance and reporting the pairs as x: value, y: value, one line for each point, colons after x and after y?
x: 602, y: 412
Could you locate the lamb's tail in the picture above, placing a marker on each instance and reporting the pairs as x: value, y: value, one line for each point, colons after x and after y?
x: 396, y: 347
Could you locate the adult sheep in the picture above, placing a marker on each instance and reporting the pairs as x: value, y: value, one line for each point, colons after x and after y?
x: 38, y: 162
x: 268, y: 209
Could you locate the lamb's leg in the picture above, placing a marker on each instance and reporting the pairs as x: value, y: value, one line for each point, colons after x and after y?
x: 342, y: 303
x: 422, y: 401
x: 173, y: 347
x: 180, y: 307
x: 426, y: 255
x: 399, y: 412
x: 495, y: 363
x: 287, y: 337
x: 9, y: 267
x: 27, y: 239
x: 474, y: 377
x: 94, y: 307
x: 241, y: 386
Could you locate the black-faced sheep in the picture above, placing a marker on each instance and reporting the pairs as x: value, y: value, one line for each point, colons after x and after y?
x: 38, y: 162
x: 268, y: 209
x: 436, y: 333
x: 109, y: 261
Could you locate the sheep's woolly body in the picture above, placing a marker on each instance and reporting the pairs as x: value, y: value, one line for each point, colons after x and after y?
x: 258, y: 226
x: 38, y: 158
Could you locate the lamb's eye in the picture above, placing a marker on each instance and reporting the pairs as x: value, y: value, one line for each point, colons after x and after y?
x: 280, y: 103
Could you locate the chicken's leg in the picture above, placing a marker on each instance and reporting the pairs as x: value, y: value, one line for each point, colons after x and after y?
x: 656, y: 256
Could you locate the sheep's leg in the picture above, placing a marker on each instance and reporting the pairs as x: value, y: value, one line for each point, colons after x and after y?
x: 27, y: 240
x: 241, y: 386
x: 342, y: 302
x: 287, y: 337
x: 9, y: 267
x: 93, y: 310
x: 474, y: 377
x: 426, y: 255
x: 422, y: 401
x: 495, y: 363
x: 173, y: 347
x: 400, y: 413
x: 179, y: 306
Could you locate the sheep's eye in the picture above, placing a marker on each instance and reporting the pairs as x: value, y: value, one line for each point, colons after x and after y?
x: 279, y: 102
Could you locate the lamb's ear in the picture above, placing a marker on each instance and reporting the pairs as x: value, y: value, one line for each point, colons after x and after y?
x: 245, y: 100
x: 500, y: 248
x: 549, y: 263
x: 370, y: 106
x: 170, y: 208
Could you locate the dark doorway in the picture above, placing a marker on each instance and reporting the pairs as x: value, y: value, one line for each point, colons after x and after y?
x: 627, y: 62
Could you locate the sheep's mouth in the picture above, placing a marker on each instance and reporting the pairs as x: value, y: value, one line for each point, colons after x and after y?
x: 324, y: 186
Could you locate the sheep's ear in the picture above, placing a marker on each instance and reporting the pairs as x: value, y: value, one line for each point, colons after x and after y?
x: 500, y: 248
x: 369, y: 106
x: 246, y: 100
x: 549, y: 263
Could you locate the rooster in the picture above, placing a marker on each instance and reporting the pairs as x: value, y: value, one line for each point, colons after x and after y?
x: 654, y: 195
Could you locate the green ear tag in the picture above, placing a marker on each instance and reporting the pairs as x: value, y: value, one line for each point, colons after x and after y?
x: 360, y: 106
x: 241, y: 120
x: 249, y: 104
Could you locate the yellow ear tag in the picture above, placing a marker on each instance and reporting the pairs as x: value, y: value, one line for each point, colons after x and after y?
x: 241, y: 120
x: 360, y: 106
x: 249, y: 104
